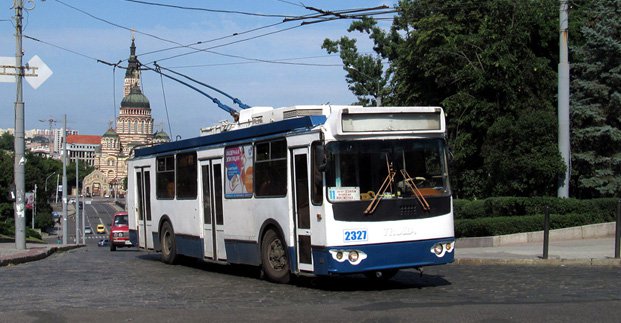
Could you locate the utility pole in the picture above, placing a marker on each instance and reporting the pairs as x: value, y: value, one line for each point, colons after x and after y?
x: 34, y: 207
x: 64, y: 199
x: 77, y: 203
x: 20, y: 160
x: 563, y: 101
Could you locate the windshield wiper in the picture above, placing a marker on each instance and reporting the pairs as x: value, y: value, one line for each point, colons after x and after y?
x: 419, y: 196
x: 390, y: 178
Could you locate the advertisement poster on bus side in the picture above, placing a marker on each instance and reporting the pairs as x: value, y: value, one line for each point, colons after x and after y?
x: 238, y: 163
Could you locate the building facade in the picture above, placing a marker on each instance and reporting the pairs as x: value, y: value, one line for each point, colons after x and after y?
x: 133, y: 127
x: 84, y: 147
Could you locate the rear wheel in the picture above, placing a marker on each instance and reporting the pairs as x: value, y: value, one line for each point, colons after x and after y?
x: 167, y: 240
x: 275, y: 262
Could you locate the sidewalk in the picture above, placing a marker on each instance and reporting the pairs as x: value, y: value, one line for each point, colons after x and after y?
x: 10, y: 255
x: 587, y: 245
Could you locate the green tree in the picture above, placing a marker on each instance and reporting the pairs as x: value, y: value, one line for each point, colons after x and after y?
x: 7, y: 142
x: 489, y: 64
x: 365, y: 76
x: 596, y: 104
x: 37, y: 168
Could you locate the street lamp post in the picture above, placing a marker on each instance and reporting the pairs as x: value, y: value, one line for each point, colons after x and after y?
x: 48, y: 177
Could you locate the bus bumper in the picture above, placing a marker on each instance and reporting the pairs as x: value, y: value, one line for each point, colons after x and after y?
x: 356, y: 259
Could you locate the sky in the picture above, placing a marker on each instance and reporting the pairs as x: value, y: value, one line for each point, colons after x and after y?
x: 72, y: 35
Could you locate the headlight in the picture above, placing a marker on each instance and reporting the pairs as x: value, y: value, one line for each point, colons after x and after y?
x: 441, y: 248
x: 353, y: 256
x: 438, y: 248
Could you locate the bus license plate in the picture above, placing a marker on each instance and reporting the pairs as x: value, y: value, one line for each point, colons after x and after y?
x: 355, y: 235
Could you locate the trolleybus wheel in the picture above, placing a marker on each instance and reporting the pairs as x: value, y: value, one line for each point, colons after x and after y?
x: 169, y: 248
x: 381, y: 274
x: 112, y: 246
x: 275, y: 262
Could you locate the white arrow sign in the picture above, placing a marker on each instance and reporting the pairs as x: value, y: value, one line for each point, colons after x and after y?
x: 43, y: 72
x: 37, y: 72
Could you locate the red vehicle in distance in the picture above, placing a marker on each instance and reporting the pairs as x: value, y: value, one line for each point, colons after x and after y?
x: 119, y: 231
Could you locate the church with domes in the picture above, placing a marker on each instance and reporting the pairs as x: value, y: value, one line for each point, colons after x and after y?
x: 133, y: 128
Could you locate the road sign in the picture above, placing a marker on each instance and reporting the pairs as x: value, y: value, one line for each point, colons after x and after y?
x: 36, y: 71
x: 42, y: 71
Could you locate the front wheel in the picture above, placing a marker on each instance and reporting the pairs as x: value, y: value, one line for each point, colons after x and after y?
x: 169, y: 247
x: 112, y: 247
x: 275, y: 262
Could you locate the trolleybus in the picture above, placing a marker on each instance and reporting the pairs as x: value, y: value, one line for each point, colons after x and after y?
x: 304, y: 190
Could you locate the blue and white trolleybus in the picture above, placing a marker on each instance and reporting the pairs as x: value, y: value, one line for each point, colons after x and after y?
x: 304, y: 190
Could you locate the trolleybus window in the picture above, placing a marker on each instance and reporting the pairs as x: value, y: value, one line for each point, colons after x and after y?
x: 270, y: 174
x: 186, y: 175
x: 357, y: 170
x: 317, y: 180
x: 165, y: 178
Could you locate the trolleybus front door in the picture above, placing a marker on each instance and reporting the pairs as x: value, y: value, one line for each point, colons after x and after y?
x: 302, y: 209
x: 143, y: 207
x: 211, y: 201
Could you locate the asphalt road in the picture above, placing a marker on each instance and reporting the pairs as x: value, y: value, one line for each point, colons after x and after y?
x: 94, y: 284
x: 99, y: 211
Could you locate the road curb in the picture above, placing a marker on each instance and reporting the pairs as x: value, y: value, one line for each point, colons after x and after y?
x: 35, y: 254
x: 540, y: 262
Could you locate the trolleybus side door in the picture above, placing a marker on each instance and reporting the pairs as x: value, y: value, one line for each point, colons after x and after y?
x: 211, y: 209
x: 143, y: 206
x: 302, y: 208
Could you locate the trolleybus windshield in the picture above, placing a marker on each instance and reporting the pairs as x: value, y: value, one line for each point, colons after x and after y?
x: 356, y: 170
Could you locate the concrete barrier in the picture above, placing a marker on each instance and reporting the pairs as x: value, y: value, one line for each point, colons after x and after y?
x: 599, y: 230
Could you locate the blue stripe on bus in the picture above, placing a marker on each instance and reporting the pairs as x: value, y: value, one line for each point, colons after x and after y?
x: 382, y: 256
x: 133, y: 237
x: 283, y: 126
x: 242, y: 252
x: 191, y: 246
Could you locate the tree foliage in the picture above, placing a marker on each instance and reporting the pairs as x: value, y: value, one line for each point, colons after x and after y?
x: 492, y: 65
x: 596, y: 104
x: 37, y: 170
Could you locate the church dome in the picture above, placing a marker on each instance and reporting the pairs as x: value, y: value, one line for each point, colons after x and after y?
x: 135, y: 99
x: 111, y: 133
x: 161, y: 135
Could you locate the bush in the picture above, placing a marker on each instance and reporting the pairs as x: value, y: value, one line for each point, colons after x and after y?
x: 8, y: 229
x: 519, y: 206
x: 491, y: 226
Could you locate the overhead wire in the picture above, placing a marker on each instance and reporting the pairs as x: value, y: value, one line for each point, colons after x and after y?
x: 209, y: 10
x: 166, y: 106
x: 214, y: 39
x: 117, y: 25
x: 198, y: 50
x: 59, y: 47
x: 275, y: 61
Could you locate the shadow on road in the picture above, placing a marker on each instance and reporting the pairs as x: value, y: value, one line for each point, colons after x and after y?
x: 405, y: 279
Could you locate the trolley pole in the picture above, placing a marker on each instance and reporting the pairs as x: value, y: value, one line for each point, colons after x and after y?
x: 20, y: 160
